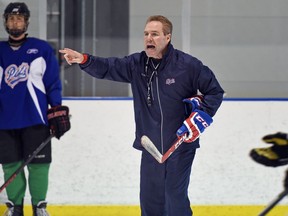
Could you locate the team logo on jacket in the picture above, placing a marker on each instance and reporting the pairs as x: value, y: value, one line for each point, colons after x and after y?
x: 170, y: 81
x: 14, y: 74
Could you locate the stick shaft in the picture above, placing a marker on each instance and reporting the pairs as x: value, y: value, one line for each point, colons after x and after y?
x: 30, y: 158
x: 176, y: 144
x: 274, y: 202
x: 151, y: 148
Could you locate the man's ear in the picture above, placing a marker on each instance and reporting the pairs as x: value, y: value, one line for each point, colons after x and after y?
x: 168, y: 36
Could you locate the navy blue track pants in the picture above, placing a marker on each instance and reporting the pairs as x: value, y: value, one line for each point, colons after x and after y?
x: 164, y: 187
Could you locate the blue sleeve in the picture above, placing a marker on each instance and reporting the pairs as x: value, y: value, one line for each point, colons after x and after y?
x: 212, y: 92
x: 116, y: 69
x: 51, y: 78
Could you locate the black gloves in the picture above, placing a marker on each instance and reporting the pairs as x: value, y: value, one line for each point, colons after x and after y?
x: 58, y: 119
x: 279, y: 138
x: 274, y: 155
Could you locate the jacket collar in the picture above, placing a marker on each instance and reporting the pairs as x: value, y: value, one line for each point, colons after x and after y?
x: 166, y: 57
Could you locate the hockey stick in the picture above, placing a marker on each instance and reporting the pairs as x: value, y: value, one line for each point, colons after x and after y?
x: 274, y: 202
x: 30, y: 158
x: 151, y: 148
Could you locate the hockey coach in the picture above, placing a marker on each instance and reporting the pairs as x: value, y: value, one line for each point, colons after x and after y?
x: 165, y: 84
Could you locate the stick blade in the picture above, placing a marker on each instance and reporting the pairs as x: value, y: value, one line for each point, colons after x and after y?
x: 151, y: 148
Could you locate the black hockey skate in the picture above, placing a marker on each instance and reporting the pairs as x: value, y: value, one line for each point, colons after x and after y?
x: 40, y: 209
x: 13, y: 210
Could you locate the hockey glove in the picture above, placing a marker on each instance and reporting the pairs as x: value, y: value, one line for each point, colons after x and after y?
x: 58, y: 119
x: 193, y: 103
x: 277, y: 138
x: 194, y: 125
x: 272, y: 156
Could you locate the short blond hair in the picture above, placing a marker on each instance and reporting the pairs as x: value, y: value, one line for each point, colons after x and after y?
x: 167, y: 24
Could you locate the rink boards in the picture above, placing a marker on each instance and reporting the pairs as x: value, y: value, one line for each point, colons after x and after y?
x: 95, y: 170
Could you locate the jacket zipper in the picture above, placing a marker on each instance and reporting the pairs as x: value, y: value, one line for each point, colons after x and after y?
x: 161, y: 113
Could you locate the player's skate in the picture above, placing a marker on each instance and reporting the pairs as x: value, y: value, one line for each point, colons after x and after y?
x: 40, y: 209
x: 13, y: 210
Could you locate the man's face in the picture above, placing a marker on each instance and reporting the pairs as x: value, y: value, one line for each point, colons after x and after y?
x: 155, y: 42
x: 16, y: 23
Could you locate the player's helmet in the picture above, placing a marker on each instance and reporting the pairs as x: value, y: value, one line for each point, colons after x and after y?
x: 18, y: 8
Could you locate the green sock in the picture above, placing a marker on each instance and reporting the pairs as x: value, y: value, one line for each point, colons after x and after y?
x: 38, y: 181
x: 16, y: 189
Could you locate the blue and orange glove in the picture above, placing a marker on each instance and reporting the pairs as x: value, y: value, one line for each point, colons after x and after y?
x: 194, y: 125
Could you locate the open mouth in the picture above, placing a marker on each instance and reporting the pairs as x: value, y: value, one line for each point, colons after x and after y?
x: 150, y: 47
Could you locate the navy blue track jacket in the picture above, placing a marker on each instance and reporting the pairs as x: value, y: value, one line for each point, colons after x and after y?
x: 178, y: 76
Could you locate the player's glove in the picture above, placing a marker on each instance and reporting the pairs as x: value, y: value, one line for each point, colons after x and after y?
x: 194, y: 125
x: 58, y: 119
x: 279, y: 138
x: 193, y: 103
x: 272, y: 156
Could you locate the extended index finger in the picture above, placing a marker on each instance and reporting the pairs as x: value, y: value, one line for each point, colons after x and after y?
x: 66, y: 51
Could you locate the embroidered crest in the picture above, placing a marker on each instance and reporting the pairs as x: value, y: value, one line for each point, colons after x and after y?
x: 170, y: 81
x: 14, y: 74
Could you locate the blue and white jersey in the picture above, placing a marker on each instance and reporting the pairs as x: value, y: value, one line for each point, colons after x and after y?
x: 29, y: 83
